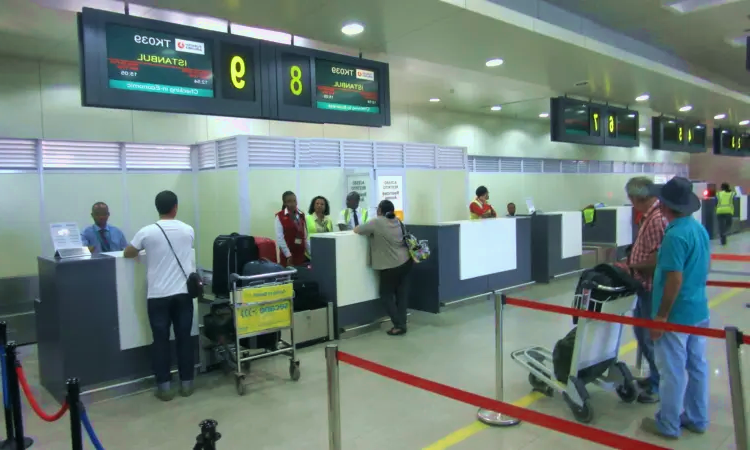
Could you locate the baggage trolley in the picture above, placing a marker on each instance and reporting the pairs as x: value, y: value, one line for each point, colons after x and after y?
x: 264, y: 305
x: 596, y: 342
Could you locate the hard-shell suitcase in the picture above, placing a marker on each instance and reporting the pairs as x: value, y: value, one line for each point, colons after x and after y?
x: 231, y: 253
x: 267, y: 249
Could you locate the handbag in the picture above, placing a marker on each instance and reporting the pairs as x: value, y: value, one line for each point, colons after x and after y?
x: 418, y: 250
x: 194, y: 281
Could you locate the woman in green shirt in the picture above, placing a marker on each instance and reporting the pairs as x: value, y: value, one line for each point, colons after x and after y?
x: 317, y: 217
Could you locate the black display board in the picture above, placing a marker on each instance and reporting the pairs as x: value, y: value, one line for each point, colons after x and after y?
x: 731, y: 142
x: 678, y: 135
x: 134, y: 63
x: 581, y: 122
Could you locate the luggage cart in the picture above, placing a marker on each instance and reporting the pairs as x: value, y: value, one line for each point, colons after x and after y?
x: 264, y: 305
x: 596, y: 343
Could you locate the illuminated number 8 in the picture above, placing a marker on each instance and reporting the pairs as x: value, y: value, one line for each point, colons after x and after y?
x: 611, y: 124
x: 295, y: 84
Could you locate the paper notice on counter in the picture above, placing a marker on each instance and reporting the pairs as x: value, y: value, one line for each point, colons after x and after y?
x: 66, y: 239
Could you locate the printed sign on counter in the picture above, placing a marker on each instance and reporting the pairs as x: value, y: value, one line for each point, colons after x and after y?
x: 359, y: 183
x: 66, y: 239
x: 390, y: 187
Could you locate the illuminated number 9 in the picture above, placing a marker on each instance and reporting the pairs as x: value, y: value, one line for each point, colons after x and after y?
x: 611, y: 124
x: 295, y: 84
x: 237, y: 70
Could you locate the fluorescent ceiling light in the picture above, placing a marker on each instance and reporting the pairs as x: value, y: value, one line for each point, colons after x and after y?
x: 496, y: 108
x: 724, y: 131
x: 642, y: 98
x: 352, y: 29
x: 745, y: 122
x: 720, y: 116
x: 494, y: 62
x: 544, y: 115
x: 631, y: 115
x: 434, y: 100
x: 688, y: 6
x: 699, y: 127
x: 642, y: 129
x: 686, y: 108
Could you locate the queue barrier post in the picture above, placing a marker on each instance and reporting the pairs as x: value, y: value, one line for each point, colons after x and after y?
x: 7, y: 413
x: 208, y: 437
x: 485, y: 415
x: 74, y: 404
x: 20, y: 441
x: 733, y: 342
x: 334, y: 398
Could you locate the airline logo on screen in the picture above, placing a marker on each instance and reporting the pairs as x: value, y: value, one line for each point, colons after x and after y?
x: 182, y: 45
x: 363, y: 74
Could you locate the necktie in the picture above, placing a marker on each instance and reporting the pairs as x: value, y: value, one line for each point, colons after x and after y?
x: 356, y: 219
x: 105, y: 241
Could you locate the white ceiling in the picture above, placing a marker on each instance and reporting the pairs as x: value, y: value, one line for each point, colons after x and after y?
x: 435, y: 50
x: 699, y: 37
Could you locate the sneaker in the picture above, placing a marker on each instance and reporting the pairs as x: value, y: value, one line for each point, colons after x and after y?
x: 186, y: 389
x: 643, y: 383
x: 164, y: 395
x: 649, y: 426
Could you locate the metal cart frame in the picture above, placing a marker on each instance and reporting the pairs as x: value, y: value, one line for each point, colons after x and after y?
x: 243, y: 355
x: 595, y: 342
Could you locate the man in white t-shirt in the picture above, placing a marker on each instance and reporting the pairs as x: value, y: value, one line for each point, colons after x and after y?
x: 168, y: 300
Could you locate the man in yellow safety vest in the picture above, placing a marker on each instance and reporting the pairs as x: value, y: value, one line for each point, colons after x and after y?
x: 724, y: 211
x: 352, y: 216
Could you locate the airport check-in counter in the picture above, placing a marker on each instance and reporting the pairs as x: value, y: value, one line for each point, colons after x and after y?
x: 612, y: 230
x: 470, y: 258
x: 556, y: 244
x: 741, y: 209
x: 341, y: 266
x: 92, y: 322
x: 708, y: 213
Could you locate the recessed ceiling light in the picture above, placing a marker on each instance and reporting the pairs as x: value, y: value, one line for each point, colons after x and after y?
x: 686, y: 108
x: 745, y: 122
x: 720, y: 116
x: 496, y: 108
x: 631, y: 115
x: 544, y: 115
x: 352, y: 29
x: 699, y: 127
x: 642, y: 98
x: 642, y: 129
x: 434, y: 100
x: 494, y: 62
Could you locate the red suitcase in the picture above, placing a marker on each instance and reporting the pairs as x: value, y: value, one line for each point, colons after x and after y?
x: 267, y: 249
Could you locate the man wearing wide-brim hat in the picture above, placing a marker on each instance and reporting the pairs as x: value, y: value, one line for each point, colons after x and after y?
x: 679, y: 297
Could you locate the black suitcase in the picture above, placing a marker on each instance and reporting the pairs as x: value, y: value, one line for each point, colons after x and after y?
x: 306, y: 291
x: 231, y: 253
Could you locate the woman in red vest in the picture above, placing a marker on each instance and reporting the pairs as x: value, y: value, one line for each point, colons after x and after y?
x: 291, y: 232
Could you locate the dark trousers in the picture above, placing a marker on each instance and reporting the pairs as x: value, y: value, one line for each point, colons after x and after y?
x: 645, y: 343
x: 394, y: 292
x: 725, y: 224
x: 164, y: 312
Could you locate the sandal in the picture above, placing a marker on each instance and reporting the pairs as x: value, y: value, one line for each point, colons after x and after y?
x: 396, y: 331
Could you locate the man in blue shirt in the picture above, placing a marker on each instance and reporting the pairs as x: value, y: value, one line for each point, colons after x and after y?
x: 679, y: 297
x: 102, y: 237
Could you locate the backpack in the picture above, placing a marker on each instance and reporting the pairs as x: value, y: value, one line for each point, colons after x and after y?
x: 562, y: 357
x: 418, y: 250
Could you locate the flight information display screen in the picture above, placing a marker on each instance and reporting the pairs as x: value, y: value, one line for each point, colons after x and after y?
x: 342, y: 87
x: 159, y: 63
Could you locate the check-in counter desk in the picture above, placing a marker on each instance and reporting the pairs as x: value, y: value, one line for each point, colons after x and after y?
x: 92, y: 322
x: 708, y: 213
x: 612, y: 229
x: 741, y: 209
x: 556, y: 244
x: 469, y: 258
x: 341, y: 266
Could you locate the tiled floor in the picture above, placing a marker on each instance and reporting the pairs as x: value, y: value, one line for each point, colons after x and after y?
x: 455, y: 348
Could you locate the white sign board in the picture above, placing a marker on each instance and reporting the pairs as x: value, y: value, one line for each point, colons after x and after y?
x: 390, y: 187
x: 530, y: 205
x: 359, y: 183
x: 66, y: 239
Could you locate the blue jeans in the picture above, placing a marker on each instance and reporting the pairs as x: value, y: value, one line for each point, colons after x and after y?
x: 645, y: 344
x: 684, y: 396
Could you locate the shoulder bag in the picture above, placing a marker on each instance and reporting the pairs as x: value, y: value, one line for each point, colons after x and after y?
x: 418, y: 250
x: 194, y: 281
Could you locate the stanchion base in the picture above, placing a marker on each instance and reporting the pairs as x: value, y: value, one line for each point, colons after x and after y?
x: 494, y: 419
x: 11, y: 445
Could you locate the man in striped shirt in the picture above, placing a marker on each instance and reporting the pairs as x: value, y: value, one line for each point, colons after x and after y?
x: 641, y: 263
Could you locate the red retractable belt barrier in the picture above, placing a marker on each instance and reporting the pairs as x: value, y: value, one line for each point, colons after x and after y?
x: 729, y: 284
x: 604, y: 317
x: 543, y: 420
x: 728, y: 257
